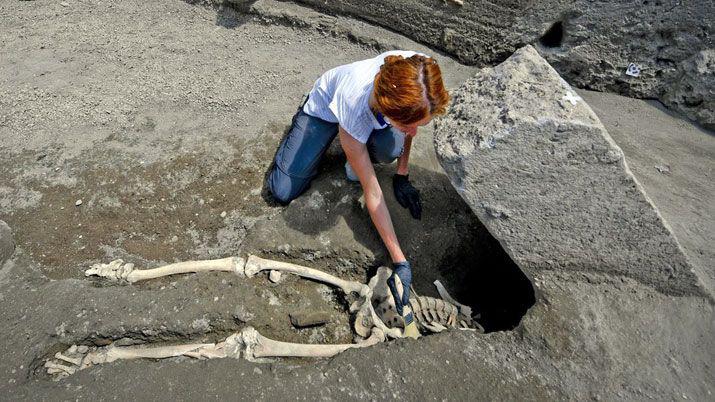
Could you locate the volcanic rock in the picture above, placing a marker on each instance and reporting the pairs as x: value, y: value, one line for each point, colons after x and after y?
x: 693, y: 93
x: 590, y: 43
x: 541, y: 172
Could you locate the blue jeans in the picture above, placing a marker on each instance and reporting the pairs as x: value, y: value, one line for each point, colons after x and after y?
x: 300, y: 152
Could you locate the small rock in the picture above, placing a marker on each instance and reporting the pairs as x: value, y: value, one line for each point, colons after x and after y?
x: 127, y: 342
x: 309, y: 319
x: 78, y: 202
x: 275, y: 276
x: 223, y: 214
x: 242, y: 314
x: 664, y: 169
x: 201, y: 324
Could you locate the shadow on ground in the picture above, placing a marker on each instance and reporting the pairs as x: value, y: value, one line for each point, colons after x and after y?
x: 329, y: 225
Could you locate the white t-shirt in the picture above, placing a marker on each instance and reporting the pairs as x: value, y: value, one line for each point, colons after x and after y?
x: 341, y: 95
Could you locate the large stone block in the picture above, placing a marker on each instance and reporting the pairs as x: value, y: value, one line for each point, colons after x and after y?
x: 7, y: 245
x: 540, y: 171
x: 590, y: 43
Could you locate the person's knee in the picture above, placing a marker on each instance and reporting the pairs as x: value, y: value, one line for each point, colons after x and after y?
x: 387, y: 146
x: 283, y: 188
x: 387, y: 155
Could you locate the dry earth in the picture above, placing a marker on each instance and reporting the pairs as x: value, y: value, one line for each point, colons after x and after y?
x: 161, y: 116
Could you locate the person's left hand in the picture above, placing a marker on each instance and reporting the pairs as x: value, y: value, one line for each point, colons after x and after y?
x: 407, y: 195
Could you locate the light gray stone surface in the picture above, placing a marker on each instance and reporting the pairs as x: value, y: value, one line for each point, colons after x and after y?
x: 598, y: 40
x: 7, y: 244
x: 541, y: 172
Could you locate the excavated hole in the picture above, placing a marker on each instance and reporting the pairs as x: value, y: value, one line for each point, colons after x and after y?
x: 482, y: 275
x: 554, y: 36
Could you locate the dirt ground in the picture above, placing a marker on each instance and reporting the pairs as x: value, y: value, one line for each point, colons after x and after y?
x: 162, y: 119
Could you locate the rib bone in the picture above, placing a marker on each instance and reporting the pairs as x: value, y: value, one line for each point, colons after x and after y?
x: 465, y: 310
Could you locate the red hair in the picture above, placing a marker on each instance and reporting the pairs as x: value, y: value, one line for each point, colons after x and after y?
x: 410, y: 90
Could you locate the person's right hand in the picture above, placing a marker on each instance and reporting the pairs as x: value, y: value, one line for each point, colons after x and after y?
x: 407, y: 195
x: 403, y: 271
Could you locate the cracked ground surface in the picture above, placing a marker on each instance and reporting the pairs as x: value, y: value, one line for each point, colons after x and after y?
x: 162, y: 118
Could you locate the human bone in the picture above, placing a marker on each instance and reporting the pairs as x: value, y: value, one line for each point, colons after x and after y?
x: 117, y: 270
x: 465, y: 310
x: 275, y: 276
x: 371, y: 326
x: 256, y: 264
x: 248, y: 343
x: 431, y: 315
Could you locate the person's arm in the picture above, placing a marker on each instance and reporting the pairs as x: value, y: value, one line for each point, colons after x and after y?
x: 359, y: 159
x: 403, y: 161
x: 405, y: 193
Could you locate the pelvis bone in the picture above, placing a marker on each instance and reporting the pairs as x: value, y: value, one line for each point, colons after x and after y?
x: 375, y: 317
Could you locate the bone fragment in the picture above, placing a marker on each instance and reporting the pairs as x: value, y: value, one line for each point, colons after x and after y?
x: 117, y: 270
x: 434, y: 327
x: 465, y: 310
x: 275, y: 276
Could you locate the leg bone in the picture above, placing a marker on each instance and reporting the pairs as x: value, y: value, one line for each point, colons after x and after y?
x: 255, y: 265
x: 117, y: 270
x: 249, y: 343
x: 260, y: 346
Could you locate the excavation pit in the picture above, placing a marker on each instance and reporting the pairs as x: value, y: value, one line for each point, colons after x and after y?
x: 171, y: 166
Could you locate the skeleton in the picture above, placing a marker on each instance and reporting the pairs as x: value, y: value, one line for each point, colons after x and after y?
x: 376, y: 318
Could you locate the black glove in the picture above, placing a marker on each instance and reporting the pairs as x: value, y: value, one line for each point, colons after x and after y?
x: 403, y: 271
x: 407, y: 195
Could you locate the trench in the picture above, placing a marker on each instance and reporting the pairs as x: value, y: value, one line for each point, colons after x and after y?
x: 154, y: 202
x: 476, y: 268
